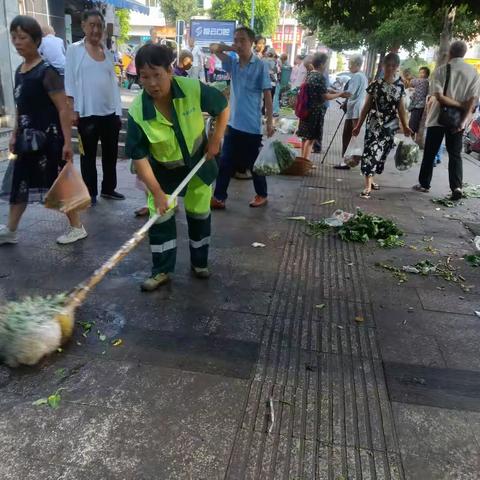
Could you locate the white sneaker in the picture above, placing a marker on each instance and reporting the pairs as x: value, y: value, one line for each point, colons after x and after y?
x: 7, y: 236
x: 73, y: 235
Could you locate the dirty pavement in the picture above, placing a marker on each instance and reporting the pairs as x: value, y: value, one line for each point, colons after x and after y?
x: 299, y: 359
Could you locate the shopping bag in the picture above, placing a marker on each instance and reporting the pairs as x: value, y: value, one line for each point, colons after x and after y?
x: 266, y: 162
x: 354, y: 151
x: 68, y: 192
x: 407, y: 153
x: 6, y: 186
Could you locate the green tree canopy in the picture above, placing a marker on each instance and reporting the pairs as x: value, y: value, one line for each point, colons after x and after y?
x: 388, y: 24
x: 266, y: 13
x: 124, y: 21
x: 178, y: 10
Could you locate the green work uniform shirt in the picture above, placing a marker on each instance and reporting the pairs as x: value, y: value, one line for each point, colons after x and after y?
x: 137, y: 146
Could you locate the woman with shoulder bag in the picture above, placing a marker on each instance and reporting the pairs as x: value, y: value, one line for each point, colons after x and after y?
x: 42, y: 135
x: 383, y: 108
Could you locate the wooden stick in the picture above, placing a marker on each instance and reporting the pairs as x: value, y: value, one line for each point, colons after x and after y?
x: 82, y: 290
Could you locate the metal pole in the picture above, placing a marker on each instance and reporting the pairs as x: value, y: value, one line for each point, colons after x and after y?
x: 283, y: 26
x: 252, y: 20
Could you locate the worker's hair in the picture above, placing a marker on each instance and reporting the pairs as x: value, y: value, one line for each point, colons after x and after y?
x: 393, y: 58
x: 28, y: 25
x: 154, y: 56
x: 356, y: 60
x: 92, y: 13
x: 248, y: 31
x: 184, y: 54
x: 319, y: 59
x: 458, y: 49
x: 426, y: 70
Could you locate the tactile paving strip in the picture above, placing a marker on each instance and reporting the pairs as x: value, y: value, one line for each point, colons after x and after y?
x: 319, y: 375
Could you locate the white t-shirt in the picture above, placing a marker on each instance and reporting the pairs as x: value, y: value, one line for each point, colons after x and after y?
x: 464, y: 84
x: 197, y: 56
x: 99, y: 97
x: 52, y: 50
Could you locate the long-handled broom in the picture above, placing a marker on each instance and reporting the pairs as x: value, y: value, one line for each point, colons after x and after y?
x: 35, y: 327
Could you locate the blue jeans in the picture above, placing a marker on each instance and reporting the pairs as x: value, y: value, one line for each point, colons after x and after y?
x: 239, y: 152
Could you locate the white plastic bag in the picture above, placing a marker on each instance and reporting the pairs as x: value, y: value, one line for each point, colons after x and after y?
x: 266, y: 163
x: 354, y: 151
x: 407, y: 153
x: 287, y: 125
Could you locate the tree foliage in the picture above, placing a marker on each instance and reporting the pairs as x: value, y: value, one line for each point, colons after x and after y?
x: 266, y: 13
x: 124, y: 21
x: 387, y: 24
x: 178, y: 10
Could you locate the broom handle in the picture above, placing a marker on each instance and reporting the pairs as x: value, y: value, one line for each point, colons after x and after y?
x: 80, y: 292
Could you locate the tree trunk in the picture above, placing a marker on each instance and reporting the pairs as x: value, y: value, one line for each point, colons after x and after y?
x: 379, y: 73
x: 446, y: 35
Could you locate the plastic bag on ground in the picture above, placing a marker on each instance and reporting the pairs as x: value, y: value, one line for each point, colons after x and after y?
x: 68, y: 192
x: 407, y: 153
x: 287, y: 125
x: 338, y: 218
x: 354, y: 151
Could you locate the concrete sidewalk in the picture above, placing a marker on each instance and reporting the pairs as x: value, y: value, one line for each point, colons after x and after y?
x: 190, y: 392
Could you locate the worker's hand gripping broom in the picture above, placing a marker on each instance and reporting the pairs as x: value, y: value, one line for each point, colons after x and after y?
x: 67, y: 315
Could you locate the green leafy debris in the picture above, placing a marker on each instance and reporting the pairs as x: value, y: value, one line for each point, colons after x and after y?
x: 473, y: 259
x: 316, y: 228
x: 392, y: 241
x: 364, y: 227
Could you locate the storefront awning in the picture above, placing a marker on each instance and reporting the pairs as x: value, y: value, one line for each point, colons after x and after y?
x: 130, y: 5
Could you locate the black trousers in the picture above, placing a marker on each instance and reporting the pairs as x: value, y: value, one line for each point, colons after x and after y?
x: 91, y: 130
x: 453, y: 142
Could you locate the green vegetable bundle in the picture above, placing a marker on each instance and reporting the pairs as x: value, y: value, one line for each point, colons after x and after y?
x: 364, y: 227
x: 274, y: 158
x: 406, y: 155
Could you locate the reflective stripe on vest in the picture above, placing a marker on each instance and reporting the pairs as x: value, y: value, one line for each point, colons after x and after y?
x: 164, y: 145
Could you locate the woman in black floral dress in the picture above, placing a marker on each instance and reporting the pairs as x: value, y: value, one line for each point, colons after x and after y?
x: 383, y: 107
x: 311, y: 128
x: 42, y: 135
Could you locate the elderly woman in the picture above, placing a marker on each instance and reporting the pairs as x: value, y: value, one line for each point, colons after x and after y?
x: 42, y: 135
x: 166, y: 137
x: 383, y: 107
x: 311, y: 128
x: 356, y: 87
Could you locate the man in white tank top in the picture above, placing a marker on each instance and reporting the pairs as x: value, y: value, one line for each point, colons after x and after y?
x: 91, y: 85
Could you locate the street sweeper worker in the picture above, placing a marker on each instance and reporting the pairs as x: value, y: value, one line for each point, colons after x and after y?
x: 166, y: 137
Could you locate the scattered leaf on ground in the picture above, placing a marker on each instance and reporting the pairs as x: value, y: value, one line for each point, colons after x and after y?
x: 316, y: 229
x: 328, y: 202
x: 54, y: 400
x: 258, y: 245
x: 321, y: 306
x: 60, y: 372
x: 40, y: 401
x: 299, y: 218
x: 473, y: 259
x: 117, y: 342
x: 392, y: 241
x: 359, y: 319
x: 59, y: 349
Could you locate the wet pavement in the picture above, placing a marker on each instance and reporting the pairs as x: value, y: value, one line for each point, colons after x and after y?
x: 205, y: 366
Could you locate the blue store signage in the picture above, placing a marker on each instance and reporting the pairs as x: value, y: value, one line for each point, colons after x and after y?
x: 212, y: 31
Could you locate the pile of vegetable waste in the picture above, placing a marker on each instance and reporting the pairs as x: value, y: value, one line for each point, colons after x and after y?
x: 361, y: 228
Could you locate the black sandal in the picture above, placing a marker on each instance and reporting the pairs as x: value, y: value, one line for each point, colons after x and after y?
x: 365, y: 194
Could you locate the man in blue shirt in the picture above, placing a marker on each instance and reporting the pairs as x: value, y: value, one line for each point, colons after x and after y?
x: 250, y: 81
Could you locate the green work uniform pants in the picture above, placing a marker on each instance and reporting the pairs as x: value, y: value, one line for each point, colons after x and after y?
x: 163, y: 234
